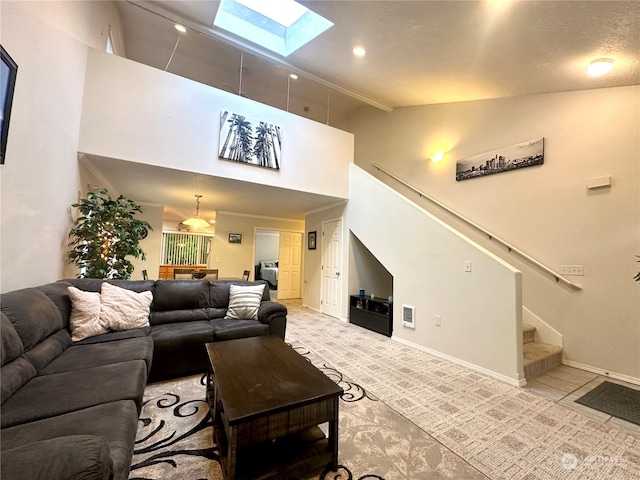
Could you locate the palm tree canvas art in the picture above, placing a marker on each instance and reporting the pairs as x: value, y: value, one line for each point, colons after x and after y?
x: 249, y: 141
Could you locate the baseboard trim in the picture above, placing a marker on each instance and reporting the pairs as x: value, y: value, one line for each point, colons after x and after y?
x: 600, y: 371
x: 511, y: 381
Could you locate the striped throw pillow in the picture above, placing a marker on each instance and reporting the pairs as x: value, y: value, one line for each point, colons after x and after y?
x: 244, y: 301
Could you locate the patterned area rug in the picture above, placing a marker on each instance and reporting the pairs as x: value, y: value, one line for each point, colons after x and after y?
x: 503, y: 431
x: 174, y: 437
x: 405, y: 415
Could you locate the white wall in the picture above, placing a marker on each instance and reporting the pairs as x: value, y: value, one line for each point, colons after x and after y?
x: 546, y: 211
x: 481, y: 311
x: 232, y: 259
x: 41, y: 177
x: 267, y: 245
x: 367, y: 273
x: 158, y: 118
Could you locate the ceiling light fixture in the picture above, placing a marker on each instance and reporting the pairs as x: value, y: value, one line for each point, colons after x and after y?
x: 181, y: 28
x: 437, y: 156
x: 196, y: 221
x: 293, y: 76
x: 600, y: 66
x: 359, y: 52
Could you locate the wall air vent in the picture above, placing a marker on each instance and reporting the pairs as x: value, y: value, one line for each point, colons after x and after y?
x: 408, y: 316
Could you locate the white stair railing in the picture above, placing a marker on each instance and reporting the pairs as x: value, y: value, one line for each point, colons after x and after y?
x: 516, y: 251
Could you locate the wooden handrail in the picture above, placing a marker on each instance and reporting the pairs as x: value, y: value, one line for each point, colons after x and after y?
x: 558, y: 277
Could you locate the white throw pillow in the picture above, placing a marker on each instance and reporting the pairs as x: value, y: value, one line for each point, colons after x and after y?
x: 269, y: 264
x: 85, y: 318
x: 244, y: 301
x: 124, y: 309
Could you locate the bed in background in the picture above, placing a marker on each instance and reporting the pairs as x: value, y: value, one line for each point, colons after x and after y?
x: 268, y: 270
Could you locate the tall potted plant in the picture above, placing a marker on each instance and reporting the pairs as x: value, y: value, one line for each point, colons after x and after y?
x: 105, y: 233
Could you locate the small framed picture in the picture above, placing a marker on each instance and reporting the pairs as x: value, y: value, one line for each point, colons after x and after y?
x: 235, y: 238
x: 312, y: 240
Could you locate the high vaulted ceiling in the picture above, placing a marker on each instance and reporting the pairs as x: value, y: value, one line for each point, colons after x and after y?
x: 429, y: 51
x: 418, y: 52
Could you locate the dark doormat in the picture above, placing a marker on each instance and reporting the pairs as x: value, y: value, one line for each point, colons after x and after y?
x: 617, y: 400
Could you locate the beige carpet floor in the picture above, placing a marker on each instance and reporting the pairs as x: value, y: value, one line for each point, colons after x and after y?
x: 174, y: 438
x: 405, y: 415
x: 503, y: 431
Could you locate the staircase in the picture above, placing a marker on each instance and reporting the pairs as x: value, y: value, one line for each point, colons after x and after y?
x: 539, y: 358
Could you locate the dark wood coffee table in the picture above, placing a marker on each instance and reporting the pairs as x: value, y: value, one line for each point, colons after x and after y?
x: 267, y: 402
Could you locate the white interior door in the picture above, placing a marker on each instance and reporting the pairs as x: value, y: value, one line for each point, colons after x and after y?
x: 290, y: 265
x: 331, y: 268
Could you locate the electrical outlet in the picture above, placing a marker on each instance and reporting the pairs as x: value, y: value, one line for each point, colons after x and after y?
x: 467, y: 266
x: 576, y: 270
x: 438, y: 320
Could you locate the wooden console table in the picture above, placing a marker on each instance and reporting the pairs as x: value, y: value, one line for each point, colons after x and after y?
x: 166, y: 271
x: 267, y: 402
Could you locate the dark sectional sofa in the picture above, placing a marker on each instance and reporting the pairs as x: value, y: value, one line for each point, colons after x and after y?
x: 70, y: 409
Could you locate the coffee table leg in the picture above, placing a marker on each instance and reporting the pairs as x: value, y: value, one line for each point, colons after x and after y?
x: 231, y: 454
x: 333, y: 437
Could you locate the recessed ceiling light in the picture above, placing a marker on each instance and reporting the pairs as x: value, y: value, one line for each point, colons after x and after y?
x: 181, y: 28
x: 293, y: 76
x: 359, y: 52
x: 600, y: 66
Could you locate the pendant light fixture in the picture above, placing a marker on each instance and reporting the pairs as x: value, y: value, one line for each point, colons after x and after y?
x: 196, y: 221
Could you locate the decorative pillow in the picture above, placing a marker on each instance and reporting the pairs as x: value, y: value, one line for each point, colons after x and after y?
x: 124, y: 309
x: 85, y: 318
x: 269, y: 264
x: 244, y: 301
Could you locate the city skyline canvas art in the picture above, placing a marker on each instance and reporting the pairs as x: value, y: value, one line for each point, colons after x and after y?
x: 520, y: 155
x: 251, y: 141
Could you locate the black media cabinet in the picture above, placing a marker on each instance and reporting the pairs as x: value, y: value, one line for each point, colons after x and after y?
x: 374, y: 314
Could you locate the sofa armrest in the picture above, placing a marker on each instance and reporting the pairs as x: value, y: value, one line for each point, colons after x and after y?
x: 275, y: 315
x: 85, y: 457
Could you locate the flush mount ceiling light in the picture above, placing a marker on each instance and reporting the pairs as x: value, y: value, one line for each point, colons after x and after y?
x: 181, y: 28
x: 281, y: 26
x: 359, y: 52
x: 600, y: 66
x: 196, y: 221
x: 293, y: 76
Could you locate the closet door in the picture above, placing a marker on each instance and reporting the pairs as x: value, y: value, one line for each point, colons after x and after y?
x: 331, y: 268
x: 290, y: 265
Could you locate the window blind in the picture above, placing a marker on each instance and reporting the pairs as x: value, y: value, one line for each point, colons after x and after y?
x: 185, y: 248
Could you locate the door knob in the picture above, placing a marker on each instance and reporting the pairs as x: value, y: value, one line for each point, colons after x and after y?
x: 337, y: 274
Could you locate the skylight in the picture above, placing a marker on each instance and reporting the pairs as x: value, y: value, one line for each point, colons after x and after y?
x: 285, y: 12
x: 281, y: 26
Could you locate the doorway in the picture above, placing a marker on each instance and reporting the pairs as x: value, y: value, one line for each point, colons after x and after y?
x: 278, y: 260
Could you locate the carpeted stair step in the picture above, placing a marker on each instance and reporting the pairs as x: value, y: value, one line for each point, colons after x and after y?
x: 539, y: 358
x: 528, y: 333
